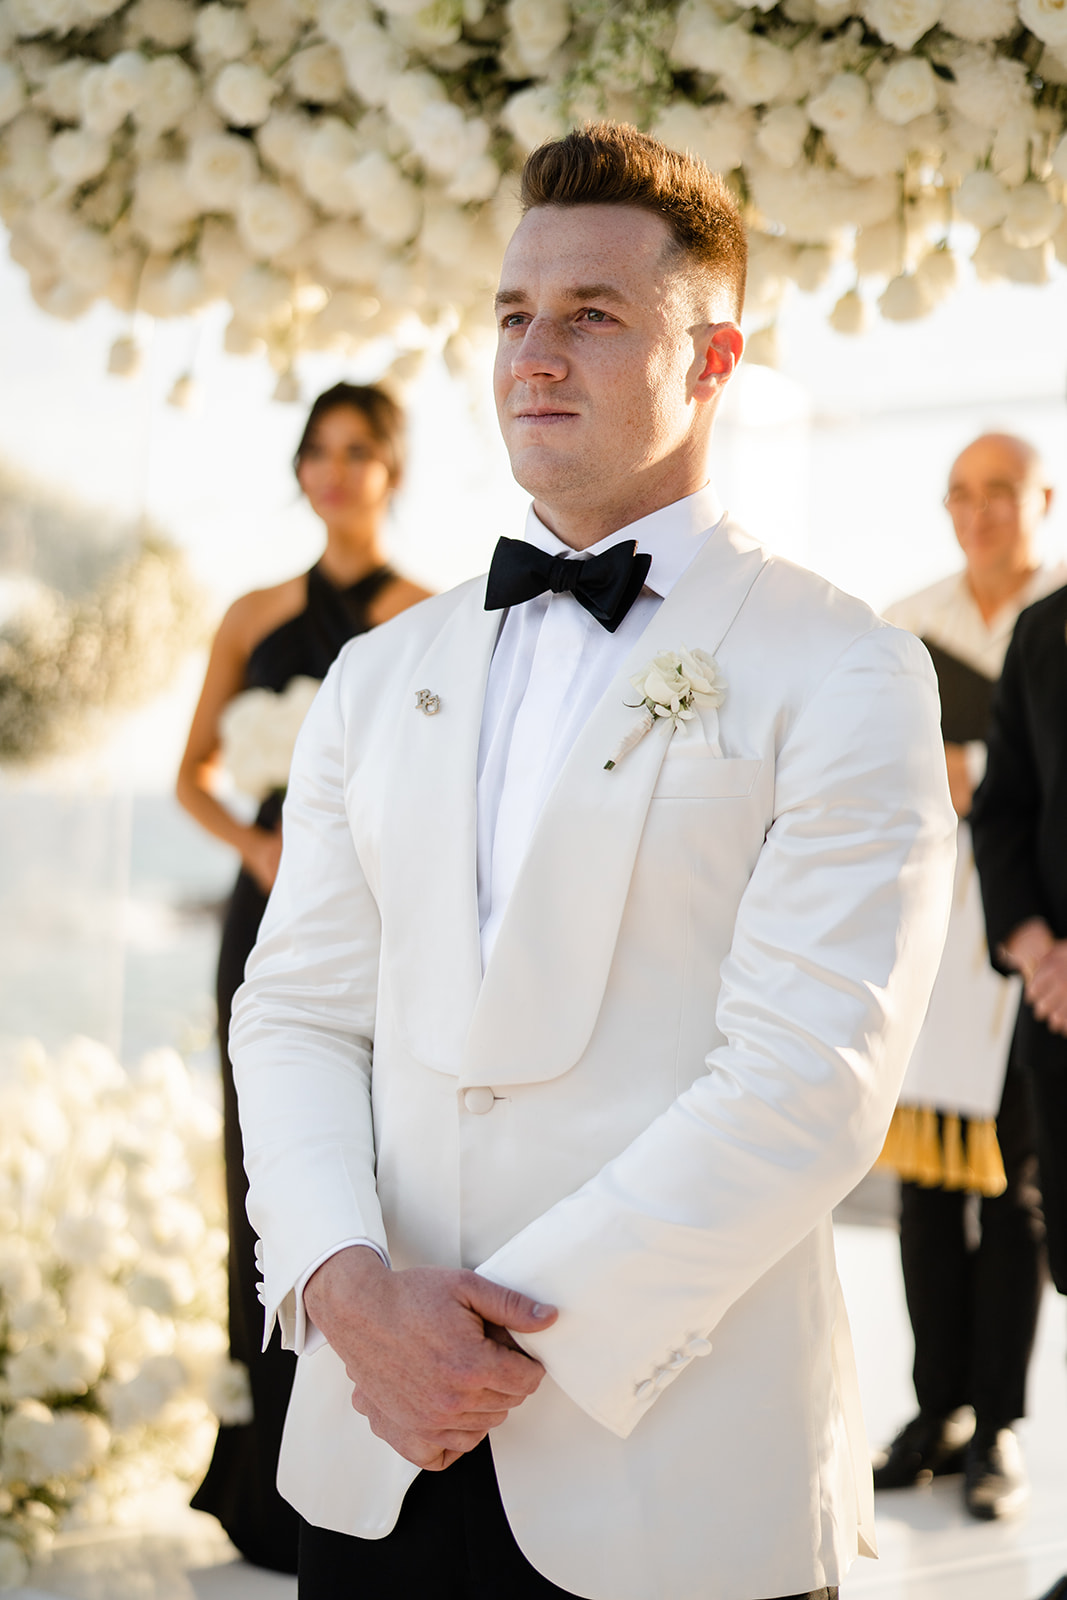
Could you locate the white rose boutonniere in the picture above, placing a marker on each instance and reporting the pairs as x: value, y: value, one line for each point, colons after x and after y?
x: 673, y: 684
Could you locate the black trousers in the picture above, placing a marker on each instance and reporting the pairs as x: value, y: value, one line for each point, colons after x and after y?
x: 974, y: 1308
x: 452, y: 1542
x: 1043, y: 1058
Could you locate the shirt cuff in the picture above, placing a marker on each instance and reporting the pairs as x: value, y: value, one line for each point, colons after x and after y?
x: 306, y: 1336
x: 974, y: 754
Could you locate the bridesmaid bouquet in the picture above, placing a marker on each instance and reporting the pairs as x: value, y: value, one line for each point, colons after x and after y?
x: 259, y: 730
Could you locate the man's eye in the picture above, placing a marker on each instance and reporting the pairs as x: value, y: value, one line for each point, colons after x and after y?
x: 592, y: 315
x: 513, y: 319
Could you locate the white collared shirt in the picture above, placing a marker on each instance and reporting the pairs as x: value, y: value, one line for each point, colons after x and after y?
x: 552, y: 663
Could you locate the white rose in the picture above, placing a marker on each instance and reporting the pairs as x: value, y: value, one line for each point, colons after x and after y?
x: 982, y: 199
x: 719, y: 135
x: 937, y: 275
x: 395, y: 217
x: 476, y: 179
x: 106, y: 99
x: 61, y: 92
x: 1059, y: 160
x: 534, y: 115
x: 874, y: 149
x: 219, y: 168
x: 33, y: 17
x: 880, y: 249
x: 979, y: 20
x: 283, y: 138
x: 988, y: 89
x: 443, y: 138
x: 904, y: 299
x: 161, y: 190
x: 1010, y: 155
x: 170, y: 23
x: 270, y: 220
x: 410, y: 95
x: 842, y: 105
x: 902, y: 22
x: 446, y: 235
x: 698, y: 37
x: 317, y: 75
x: 337, y: 18
x: 258, y: 731
x: 12, y: 92
x: 87, y: 260
x: 185, y: 288
x: 995, y: 258
x: 76, y: 156
x: 831, y: 12
x: 260, y: 296
x: 348, y: 253
x: 1032, y: 216
x: 222, y: 255
x: 908, y: 90
x: 276, y: 22
x: 372, y: 61
x: 77, y: 1362
x: 851, y: 314
x: 325, y: 156
x: 759, y: 73
x: 1047, y: 19
x: 539, y: 27
x: 811, y: 266
x: 243, y: 93
x: 222, y: 33
x: 781, y: 134
x: 768, y: 267
x: 172, y: 90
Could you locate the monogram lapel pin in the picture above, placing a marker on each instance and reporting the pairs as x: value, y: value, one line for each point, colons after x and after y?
x: 427, y: 702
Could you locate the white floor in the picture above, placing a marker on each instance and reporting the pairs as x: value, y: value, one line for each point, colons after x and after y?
x: 930, y: 1548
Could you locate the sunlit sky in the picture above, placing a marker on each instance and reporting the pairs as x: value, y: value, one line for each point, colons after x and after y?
x: 838, y: 460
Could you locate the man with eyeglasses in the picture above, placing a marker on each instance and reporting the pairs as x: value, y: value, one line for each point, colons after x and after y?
x: 962, y: 1138
x: 1018, y: 822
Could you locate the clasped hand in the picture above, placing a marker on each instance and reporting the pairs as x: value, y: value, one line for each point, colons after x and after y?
x: 431, y: 1364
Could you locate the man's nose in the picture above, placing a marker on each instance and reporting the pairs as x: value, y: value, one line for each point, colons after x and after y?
x: 540, y: 354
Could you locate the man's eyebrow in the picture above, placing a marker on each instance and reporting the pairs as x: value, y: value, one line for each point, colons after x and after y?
x: 579, y: 294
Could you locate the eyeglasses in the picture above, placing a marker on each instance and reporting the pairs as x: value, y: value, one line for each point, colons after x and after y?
x: 1000, y: 501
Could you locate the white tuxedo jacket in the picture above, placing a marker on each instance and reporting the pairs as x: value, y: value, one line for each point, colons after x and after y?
x: 684, y: 1051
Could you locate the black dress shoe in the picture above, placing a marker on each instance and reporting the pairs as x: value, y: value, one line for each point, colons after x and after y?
x: 994, y: 1483
x: 926, y: 1448
x: 1058, y: 1590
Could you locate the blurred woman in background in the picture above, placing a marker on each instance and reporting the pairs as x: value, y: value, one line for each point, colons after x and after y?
x: 348, y: 463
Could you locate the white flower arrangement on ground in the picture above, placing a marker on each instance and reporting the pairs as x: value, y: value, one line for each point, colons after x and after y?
x: 160, y: 154
x: 259, y: 730
x: 113, y: 1361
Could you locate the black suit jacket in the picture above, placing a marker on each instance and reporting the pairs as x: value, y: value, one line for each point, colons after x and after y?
x: 1019, y: 819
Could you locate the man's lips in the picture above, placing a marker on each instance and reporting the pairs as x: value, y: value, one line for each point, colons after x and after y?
x: 544, y: 414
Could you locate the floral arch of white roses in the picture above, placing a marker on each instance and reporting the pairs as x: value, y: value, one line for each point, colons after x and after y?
x: 335, y: 168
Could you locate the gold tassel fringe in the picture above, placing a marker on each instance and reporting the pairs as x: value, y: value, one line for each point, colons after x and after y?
x: 923, y: 1147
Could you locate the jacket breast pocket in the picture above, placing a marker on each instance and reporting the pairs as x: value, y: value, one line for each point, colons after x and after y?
x: 705, y: 777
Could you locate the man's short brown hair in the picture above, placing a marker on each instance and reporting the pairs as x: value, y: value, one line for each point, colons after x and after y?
x: 613, y: 164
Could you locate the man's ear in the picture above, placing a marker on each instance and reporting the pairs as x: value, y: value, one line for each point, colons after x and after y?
x: 720, y: 344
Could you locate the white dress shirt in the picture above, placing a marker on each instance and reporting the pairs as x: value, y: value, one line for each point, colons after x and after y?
x: 551, y: 665
x: 553, y: 662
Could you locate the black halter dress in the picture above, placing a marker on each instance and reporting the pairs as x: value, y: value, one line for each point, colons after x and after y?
x: 239, y: 1486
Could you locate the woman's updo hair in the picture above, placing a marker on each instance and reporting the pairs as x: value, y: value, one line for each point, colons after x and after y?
x: 384, y: 418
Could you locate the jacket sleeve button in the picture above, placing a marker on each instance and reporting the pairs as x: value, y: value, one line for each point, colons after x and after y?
x: 479, y: 1101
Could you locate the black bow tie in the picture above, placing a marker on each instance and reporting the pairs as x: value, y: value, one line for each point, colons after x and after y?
x: 606, y: 585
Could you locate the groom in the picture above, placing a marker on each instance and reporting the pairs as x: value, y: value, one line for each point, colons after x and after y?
x: 568, y: 1025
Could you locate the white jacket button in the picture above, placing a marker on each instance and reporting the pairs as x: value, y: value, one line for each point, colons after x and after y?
x: 679, y: 1359
x: 698, y: 1346
x: 479, y: 1101
x: 663, y: 1377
